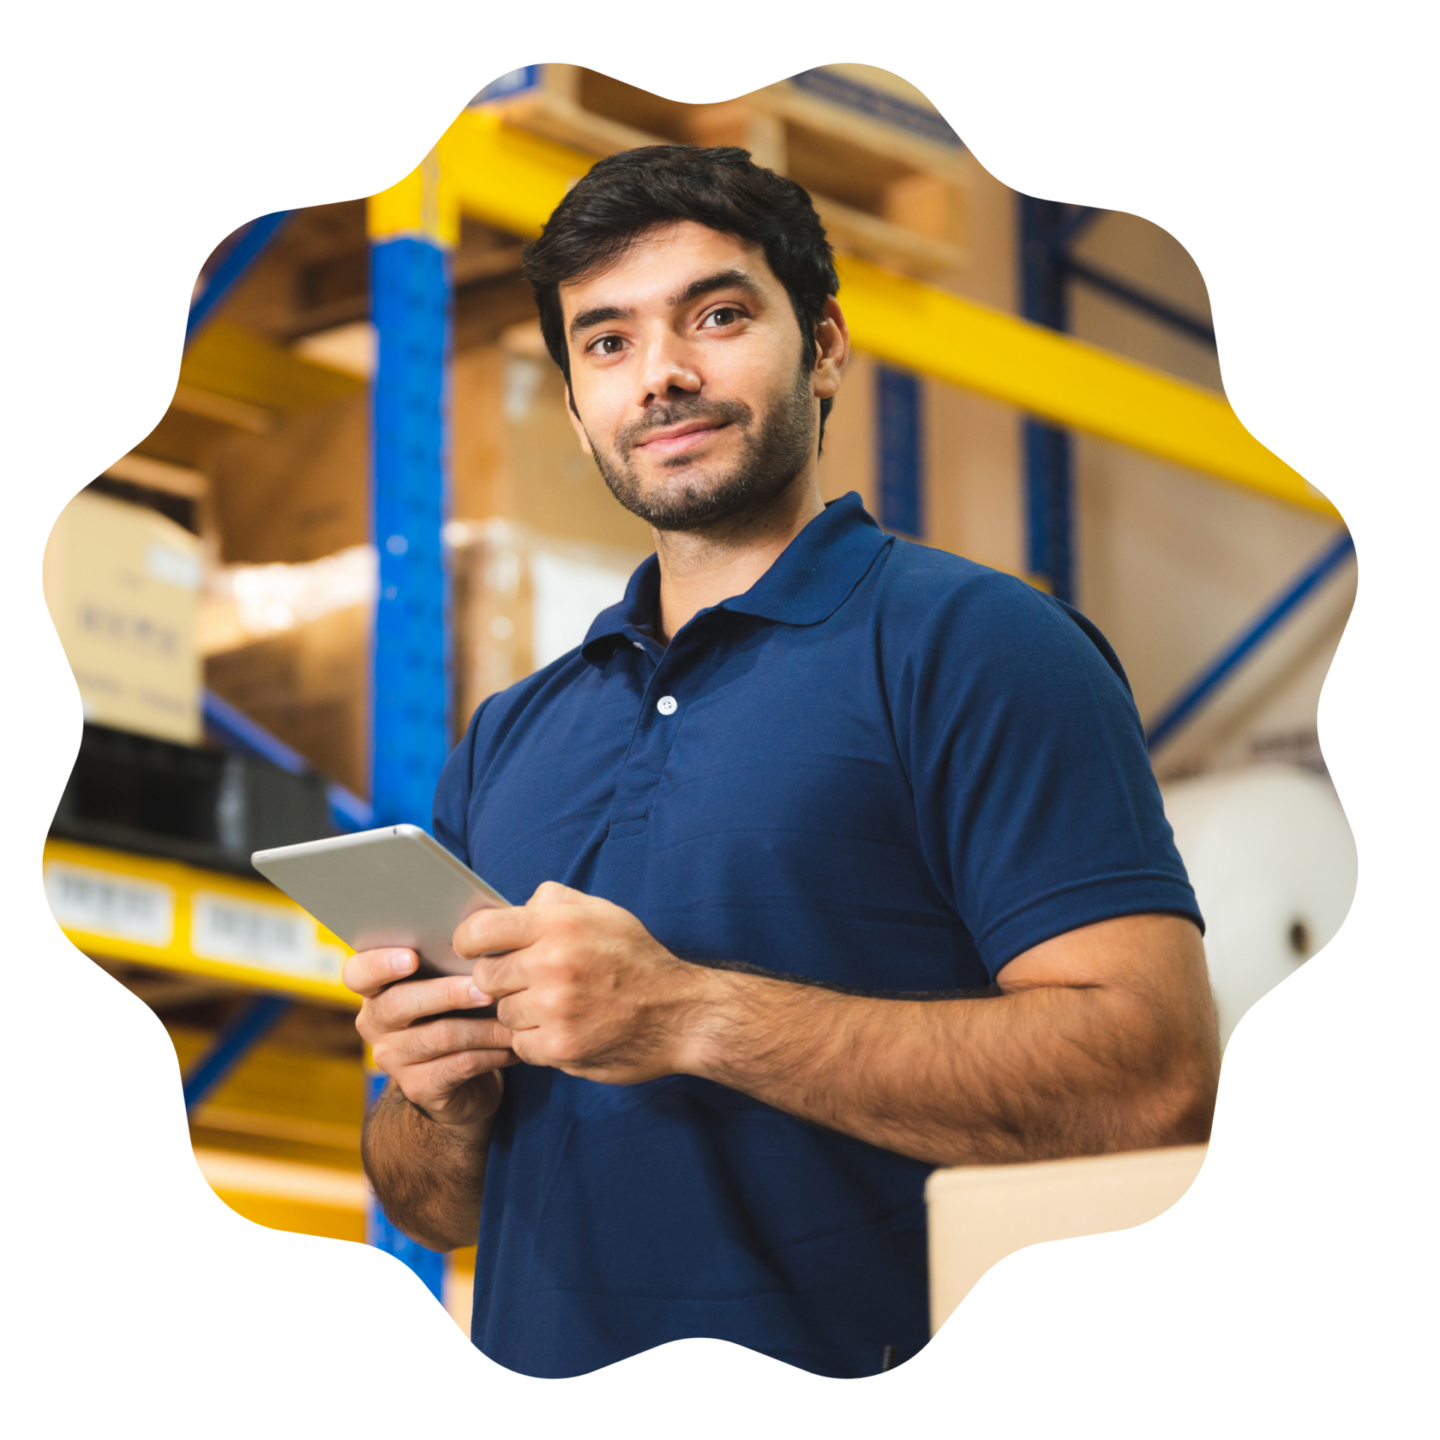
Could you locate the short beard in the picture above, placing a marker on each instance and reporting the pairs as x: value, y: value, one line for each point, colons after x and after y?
x: 771, y: 458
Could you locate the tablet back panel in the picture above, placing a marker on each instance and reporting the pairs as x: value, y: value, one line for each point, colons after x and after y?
x: 393, y: 886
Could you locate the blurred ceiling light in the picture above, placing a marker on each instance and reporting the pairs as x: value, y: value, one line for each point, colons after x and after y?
x: 350, y: 348
x: 242, y: 603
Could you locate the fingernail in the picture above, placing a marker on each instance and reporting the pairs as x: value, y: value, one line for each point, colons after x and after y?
x: 477, y: 997
x: 399, y: 962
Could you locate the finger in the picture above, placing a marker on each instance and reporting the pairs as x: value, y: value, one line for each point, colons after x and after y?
x: 403, y: 1005
x: 368, y: 972
x: 457, y: 1037
x: 424, y: 1043
x: 487, y: 931
x: 518, y: 1013
x: 431, y: 1085
x: 500, y: 975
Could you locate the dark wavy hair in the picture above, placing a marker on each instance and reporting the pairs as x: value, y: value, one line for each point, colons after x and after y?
x: 721, y: 187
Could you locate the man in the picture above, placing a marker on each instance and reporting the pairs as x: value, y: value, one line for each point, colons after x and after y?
x: 844, y: 856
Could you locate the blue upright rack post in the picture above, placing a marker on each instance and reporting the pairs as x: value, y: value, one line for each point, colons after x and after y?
x: 1046, y: 229
x: 899, y: 398
x: 411, y: 306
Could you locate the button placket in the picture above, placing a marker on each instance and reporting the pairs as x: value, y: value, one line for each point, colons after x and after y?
x: 657, y: 728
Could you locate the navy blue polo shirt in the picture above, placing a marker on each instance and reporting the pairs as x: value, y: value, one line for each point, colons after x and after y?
x: 881, y: 767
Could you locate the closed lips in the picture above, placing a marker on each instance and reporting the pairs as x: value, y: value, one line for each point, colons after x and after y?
x: 680, y: 437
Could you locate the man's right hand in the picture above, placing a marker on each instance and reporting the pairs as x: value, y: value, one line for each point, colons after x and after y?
x: 449, y: 1068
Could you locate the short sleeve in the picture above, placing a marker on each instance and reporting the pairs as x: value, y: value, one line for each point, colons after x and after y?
x: 1037, y: 806
x: 452, y: 794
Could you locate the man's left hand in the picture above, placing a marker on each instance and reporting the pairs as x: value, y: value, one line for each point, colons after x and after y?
x: 584, y: 986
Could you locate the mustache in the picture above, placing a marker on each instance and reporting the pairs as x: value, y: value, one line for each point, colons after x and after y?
x: 681, y: 412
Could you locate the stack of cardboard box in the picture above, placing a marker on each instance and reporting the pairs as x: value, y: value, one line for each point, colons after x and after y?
x: 122, y: 581
x: 309, y: 686
x: 124, y: 571
x: 536, y: 547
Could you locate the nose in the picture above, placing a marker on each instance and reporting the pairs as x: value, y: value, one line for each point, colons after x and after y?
x: 667, y: 372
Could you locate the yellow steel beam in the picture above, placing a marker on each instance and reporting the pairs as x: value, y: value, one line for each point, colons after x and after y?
x: 504, y: 176
x: 311, y: 1199
x: 198, y: 922
x: 422, y: 204
x: 283, y: 1100
x: 1060, y: 379
x: 513, y: 180
x: 228, y: 361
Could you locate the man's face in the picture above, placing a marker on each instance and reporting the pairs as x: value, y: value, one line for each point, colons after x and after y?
x: 685, y: 368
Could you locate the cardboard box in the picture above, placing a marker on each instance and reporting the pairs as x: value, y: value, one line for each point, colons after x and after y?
x: 299, y: 491
x: 122, y: 581
x: 521, y: 600
x: 310, y: 687
x: 979, y: 1214
x: 516, y: 455
x: 537, y: 548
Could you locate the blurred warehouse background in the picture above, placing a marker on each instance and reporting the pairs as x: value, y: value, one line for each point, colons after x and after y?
x: 1054, y: 412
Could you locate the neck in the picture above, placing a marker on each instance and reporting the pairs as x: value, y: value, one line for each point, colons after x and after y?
x: 700, y: 568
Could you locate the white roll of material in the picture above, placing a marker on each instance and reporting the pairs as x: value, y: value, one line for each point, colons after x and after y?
x: 1273, y: 863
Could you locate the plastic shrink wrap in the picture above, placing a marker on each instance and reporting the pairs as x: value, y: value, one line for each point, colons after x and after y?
x: 1273, y: 863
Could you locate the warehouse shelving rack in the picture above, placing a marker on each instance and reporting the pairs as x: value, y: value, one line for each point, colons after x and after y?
x: 507, y: 161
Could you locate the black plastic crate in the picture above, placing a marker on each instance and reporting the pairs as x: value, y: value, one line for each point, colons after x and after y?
x: 203, y: 806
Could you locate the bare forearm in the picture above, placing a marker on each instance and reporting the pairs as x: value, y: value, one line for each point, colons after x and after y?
x: 428, y: 1177
x: 1028, y: 1075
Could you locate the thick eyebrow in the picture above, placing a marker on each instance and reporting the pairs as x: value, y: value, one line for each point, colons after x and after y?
x: 721, y: 280
x: 601, y: 315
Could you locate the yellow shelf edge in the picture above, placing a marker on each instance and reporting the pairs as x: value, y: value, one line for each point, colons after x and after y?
x: 512, y: 179
x: 72, y: 861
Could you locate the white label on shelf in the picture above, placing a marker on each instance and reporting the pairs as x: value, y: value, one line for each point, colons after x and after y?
x: 268, y: 937
x: 172, y: 567
x: 102, y: 903
x: 330, y: 961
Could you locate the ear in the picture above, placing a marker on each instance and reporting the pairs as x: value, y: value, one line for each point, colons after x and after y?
x: 832, y: 350
x: 573, y: 416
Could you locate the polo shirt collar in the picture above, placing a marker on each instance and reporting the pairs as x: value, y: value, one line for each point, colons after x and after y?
x: 809, y: 581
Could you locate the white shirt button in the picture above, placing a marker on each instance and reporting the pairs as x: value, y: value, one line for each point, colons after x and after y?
x: 637, y: 644
x: 667, y: 705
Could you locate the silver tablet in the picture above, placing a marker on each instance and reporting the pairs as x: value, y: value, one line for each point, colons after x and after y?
x: 395, y: 886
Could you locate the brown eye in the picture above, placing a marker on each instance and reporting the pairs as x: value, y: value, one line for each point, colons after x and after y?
x: 724, y: 316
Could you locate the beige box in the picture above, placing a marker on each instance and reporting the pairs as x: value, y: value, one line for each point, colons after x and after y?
x: 979, y: 1214
x: 522, y: 599
x: 308, y: 685
x: 122, y: 585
